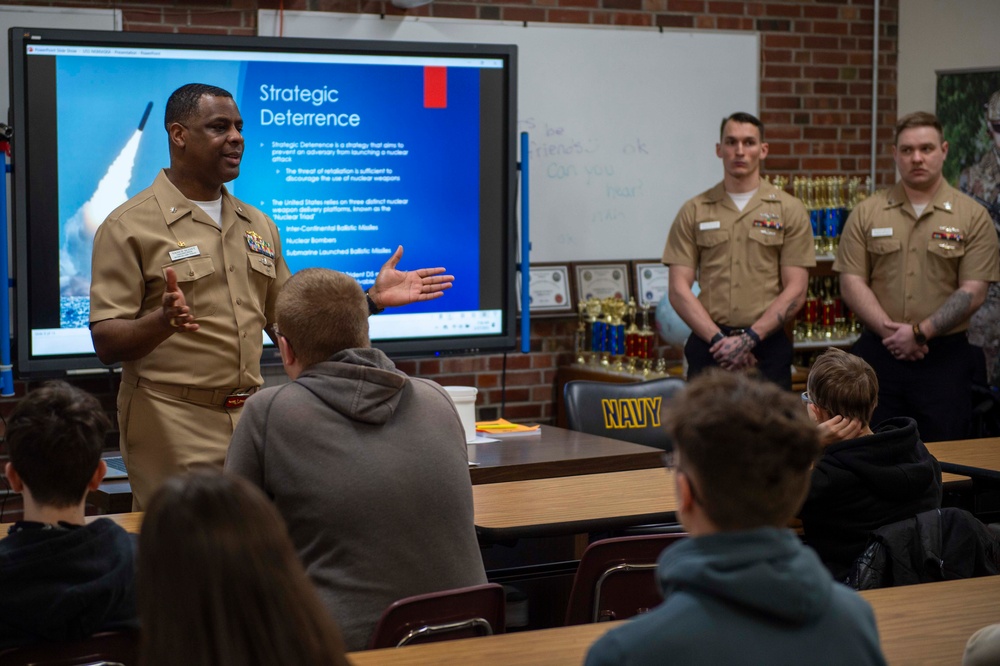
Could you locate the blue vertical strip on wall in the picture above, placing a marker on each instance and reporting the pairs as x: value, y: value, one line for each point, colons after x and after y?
x: 525, y: 250
x: 6, y: 370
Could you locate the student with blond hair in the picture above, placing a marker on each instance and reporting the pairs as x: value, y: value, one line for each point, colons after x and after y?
x: 867, y: 477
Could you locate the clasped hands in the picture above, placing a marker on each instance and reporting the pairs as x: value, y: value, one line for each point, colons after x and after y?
x: 734, y: 352
x: 901, y: 343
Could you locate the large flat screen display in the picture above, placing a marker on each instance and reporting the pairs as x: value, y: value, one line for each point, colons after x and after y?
x: 352, y: 148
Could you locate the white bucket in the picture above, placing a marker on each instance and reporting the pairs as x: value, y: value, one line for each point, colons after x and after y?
x: 464, y: 398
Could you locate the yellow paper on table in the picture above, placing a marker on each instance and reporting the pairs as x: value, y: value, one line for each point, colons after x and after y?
x: 502, y: 427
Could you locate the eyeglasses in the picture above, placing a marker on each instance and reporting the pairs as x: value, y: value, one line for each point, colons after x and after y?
x: 278, y: 334
x: 806, y: 399
x: 670, y: 462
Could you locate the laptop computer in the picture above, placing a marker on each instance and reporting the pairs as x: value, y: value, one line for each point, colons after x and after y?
x: 116, y: 468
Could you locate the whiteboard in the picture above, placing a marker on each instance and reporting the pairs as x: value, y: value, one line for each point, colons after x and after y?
x: 623, y: 122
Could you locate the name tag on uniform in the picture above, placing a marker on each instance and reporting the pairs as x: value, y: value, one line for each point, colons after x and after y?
x: 708, y: 226
x: 184, y: 253
x: 881, y: 232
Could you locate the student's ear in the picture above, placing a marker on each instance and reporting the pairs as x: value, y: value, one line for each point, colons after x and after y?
x: 95, y: 480
x: 685, y: 497
x: 286, y: 351
x: 16, y: 484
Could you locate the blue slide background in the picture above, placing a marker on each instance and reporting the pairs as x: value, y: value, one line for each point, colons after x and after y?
x: 101, y: 101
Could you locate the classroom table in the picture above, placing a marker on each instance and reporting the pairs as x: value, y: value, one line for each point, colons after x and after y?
x: 975, y: 458
x: 557, y: 506
x: 918, y: 624
x: 131, y: 522
x: 574, y: 504
x: 554, y: 453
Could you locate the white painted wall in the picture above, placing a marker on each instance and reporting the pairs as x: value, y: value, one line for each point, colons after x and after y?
x: 938, y: 35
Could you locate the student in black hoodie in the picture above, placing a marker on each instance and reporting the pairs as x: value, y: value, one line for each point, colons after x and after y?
x: 866, y: 477
x: 61, y: 579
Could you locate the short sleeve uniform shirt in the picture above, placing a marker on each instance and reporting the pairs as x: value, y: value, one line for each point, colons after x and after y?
x: 737, y: 255
x: 230, y: 278
x: 913, y: 265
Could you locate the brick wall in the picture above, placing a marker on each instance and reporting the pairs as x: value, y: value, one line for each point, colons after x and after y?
x: 816, y: 86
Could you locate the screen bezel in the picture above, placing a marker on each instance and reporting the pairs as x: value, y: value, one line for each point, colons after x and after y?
x: 28, y: 365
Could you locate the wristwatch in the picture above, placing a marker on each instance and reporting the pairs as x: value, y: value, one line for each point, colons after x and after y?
x: 373, y: 309
x: 918, y: 335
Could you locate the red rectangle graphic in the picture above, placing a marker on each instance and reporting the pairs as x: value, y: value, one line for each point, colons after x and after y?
x: 435, y: 87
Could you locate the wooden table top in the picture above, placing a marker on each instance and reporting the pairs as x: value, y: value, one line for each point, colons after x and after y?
x: 574, y: 504
x: 562, y: 505
x: 556, y: 452
x: 978, y: 458
x: 130, y: 521
x: 543, y: 647
x: 918, y: 624
x: 930, y: 623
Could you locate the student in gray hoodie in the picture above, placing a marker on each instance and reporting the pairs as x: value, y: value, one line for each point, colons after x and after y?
x: 368, y: 467
x: 743, y: 589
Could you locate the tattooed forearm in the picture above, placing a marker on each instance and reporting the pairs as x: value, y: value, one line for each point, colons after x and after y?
x: 952, y: 312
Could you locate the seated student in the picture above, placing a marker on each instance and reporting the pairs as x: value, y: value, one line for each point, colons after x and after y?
x: 220, y: 584
x: 866, y: 478
x: 743, y: 589
x: 59, y: 578
x: 368, y: 467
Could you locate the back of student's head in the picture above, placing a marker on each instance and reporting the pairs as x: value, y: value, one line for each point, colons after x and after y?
x: 220, y: 584
x: 54, y: 438
x: 747, y: 447
x: 321, y: 312
x: 843, y: 384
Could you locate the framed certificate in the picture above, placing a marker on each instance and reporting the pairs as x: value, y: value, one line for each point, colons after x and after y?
x: 602, y: 280
x: 549, y: 289
x: 651, y: 282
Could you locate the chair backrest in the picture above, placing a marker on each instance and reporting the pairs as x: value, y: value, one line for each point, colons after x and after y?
x: 479, y: 610
x: 935, y: 545
x: 107, y: 647
x: 629, y: 412
x: 616, y: 578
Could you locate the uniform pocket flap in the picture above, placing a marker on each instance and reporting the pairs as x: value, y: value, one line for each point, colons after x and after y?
x: 192, y: 269
x: 884, y: 245
x: 947, y: 249
x: 261, y: 264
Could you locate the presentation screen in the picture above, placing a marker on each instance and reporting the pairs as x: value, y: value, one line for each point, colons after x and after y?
x: 352, y: 148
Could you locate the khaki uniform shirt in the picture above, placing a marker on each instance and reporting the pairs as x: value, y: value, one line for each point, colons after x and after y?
x: 738, y: 255
x: 228, y: 282
x: 913, y: 265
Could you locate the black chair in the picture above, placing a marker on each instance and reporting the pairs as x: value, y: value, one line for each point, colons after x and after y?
x: 107, y: 647
x: 629, y: 412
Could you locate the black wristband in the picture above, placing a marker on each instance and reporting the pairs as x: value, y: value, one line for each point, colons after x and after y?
x: 372, y: 308
x: 718, y: 337
x: 752, y: 334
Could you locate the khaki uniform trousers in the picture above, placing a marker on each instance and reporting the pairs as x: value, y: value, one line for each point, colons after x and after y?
x: 162, y: 435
